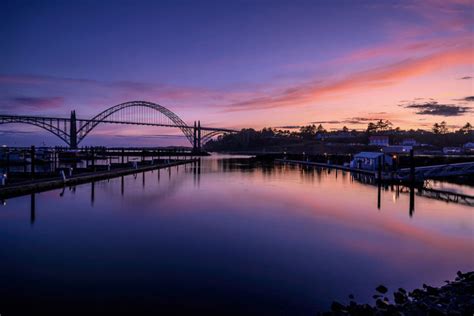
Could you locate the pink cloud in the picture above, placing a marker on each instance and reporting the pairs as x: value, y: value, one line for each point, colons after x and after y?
x: 369, y: 79
x: 33, y: 103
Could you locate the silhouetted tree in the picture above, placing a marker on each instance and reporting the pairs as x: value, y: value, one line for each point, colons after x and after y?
x: 308, y: 131
x: 440, y: 128
x: 320, y: 129
x: 466, y: 129
x: 371, y: 128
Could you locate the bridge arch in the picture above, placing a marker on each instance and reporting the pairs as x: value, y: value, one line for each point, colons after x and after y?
x: 85, y: 129
x: 207, y: 137
x: 42, y: 124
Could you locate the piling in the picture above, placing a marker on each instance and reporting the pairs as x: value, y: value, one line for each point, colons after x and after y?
x: 33, y: 162
x: 379, y: 181
x: 412, y: 183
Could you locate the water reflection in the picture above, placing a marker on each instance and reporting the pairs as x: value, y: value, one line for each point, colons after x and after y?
x: 308, y: 174
x: 32, y: 208
x: 210, y: 235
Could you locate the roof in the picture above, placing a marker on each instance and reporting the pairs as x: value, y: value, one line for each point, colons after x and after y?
x: 368, y: 154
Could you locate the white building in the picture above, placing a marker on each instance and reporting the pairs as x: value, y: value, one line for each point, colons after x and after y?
x: 370, y: 160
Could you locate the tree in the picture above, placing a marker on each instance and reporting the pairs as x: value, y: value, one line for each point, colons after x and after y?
x: 320, y: 129
x: 383, y: 125
x: 308, y: 131
x: 268, y: 132
x: 371, y: 128
x: 440, y: 128
x: 345, y: 129
x: 466, y: 129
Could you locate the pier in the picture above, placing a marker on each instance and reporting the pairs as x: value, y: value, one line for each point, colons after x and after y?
x: 325, y: 165
x: 40, y: 185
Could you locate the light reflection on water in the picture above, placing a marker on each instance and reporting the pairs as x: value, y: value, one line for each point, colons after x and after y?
x: 227, y: 236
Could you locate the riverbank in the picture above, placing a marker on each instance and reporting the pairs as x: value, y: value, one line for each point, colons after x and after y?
x: 454, y: 298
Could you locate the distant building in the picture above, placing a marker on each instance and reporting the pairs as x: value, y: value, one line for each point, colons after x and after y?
x: 397, y: 149
x: 409, y: 142
x: 452, y: 150
x: 370, y: 160
x: 378, y: 140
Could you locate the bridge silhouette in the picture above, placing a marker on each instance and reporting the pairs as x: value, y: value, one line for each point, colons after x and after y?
x: 73, y: 130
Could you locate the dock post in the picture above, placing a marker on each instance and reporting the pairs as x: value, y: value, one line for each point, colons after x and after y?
x: 123, y: 156
x: 379, y: 168
x: 412, y: 183
x: 379, y: 181
x: 8, y: 161
x: 93, y: 159
x: 412, y: 167
x: 33, y: 163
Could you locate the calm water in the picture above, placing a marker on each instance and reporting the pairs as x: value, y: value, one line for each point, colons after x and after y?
x: 235, y: 238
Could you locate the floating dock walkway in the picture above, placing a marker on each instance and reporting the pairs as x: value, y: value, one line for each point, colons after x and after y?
x: 325, y: 165
x: 41, y: 185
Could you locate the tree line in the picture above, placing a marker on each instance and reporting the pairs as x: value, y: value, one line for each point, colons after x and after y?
x: 438, y: 135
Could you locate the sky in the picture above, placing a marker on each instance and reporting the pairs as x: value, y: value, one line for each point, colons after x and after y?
x: 237, y: 64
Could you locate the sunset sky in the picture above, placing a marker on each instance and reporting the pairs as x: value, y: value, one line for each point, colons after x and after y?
x: 239, y: 64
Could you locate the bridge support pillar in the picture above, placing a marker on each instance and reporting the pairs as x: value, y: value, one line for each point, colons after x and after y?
x: 195, y: 138
x: 199, y: 137
x: 73, y: 131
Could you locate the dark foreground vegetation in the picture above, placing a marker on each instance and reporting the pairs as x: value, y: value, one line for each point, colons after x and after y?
x: 454, y: 298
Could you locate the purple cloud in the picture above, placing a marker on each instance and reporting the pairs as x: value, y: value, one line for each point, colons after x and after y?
x: 33, y: 103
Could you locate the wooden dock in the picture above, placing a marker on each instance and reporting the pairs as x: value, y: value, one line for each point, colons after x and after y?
x: 326, y: 165
x: 41, y: 185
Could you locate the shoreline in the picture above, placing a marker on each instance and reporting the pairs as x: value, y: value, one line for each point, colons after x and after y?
x: 454, y: 298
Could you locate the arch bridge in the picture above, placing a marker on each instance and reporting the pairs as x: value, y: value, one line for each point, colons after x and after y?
x: 73, y: 130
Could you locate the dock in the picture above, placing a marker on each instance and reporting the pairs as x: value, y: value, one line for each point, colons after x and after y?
x: 326, y: 165
x: 41, y: 185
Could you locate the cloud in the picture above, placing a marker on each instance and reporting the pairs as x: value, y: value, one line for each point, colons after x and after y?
x: 326, y: 122
x: 33, y: 103
x: 434, y: 108
x: 106, y: 93
x: 363, y: 80
x: 469, y: 99
x: 465, y: 78
x: 289, y: 126
x: 351, y: 120
x: 361, y: 120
